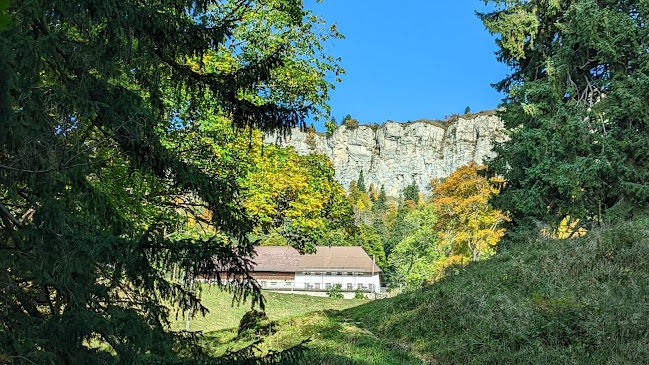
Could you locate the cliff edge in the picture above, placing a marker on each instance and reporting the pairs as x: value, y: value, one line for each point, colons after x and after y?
x: 396, y: 154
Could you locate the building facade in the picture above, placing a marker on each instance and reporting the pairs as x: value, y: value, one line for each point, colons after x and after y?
x: 282, y: 268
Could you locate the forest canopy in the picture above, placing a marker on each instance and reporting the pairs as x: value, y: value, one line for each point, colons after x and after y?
x: 97, y: 181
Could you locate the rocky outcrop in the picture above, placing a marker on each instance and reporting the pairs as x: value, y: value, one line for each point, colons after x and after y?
x: 396, y: 154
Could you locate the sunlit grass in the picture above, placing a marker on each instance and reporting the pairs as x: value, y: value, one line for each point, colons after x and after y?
x: 279, y: 306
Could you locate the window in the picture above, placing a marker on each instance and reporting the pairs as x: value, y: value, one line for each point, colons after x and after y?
x: 307, y: 273
x: 328, y: 273
x: 350, y: 286
x: 345, y: 273
x: 308, y: 286
x: 328, y: 285
x: 317, y: 285
x: 339, y: 273
x: 273, y: 283
x: 359, y: 286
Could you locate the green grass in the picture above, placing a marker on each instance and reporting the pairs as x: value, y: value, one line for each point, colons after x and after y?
x: 279, y: 306
x: 580, y: 301
x: 334, y: 340
x: 541, y: 301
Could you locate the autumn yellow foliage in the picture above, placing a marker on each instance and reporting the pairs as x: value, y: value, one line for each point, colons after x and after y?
x: 468, y: 226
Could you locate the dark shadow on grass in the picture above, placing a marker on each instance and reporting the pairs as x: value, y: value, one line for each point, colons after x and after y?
x: 333, y: 341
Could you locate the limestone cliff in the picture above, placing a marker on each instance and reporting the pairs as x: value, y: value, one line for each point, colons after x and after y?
x: 396, y: 154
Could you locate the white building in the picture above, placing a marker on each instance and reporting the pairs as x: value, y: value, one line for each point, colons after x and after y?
x: 282, y: 268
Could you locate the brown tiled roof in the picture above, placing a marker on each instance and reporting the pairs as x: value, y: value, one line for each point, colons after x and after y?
x: 335, y: 258
x: 276, y: 258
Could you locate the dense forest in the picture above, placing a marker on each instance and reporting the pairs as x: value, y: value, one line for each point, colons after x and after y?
x: 132, y: 161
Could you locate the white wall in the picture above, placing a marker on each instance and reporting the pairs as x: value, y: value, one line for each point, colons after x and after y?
x: 366, y: 281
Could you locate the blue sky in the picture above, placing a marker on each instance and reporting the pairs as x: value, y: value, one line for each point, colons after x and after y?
x: 410, y: 60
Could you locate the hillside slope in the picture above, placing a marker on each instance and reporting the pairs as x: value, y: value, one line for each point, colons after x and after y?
x: 544, y: 301
x: 579, y: 301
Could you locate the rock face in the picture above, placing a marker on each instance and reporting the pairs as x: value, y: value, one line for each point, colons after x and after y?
x: 396, y: 154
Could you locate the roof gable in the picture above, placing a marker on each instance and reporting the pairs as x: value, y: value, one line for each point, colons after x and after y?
x: 326, y: 258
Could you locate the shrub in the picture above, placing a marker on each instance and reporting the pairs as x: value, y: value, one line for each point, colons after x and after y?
x: 351, y: 123
x: 359, y: 295
x: 335, y: 291
x: 252, y: 320
x: 331, y: 127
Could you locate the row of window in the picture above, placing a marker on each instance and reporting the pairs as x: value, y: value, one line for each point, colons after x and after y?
x: 334, y: 273
x: 350, y: 286
x: 265, y: 284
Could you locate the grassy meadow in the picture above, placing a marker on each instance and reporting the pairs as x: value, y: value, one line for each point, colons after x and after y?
x: 279, y: 306
x: 542, y: 301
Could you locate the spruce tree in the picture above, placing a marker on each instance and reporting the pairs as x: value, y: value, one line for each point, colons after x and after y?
x: 381, y: 202
x: 90, y: 191
x: 575, y: 108
x: 361, y: 183
x: 411, y: 192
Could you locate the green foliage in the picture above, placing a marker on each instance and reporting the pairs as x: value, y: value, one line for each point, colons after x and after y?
x: 467, y: 110
x: 346, y: 118
x: 5, y: 19
x: 331, y: 126
x: 361, y: 182
x: 398, y: 227
x: 296, y: 196
x: 97, y: 198
x: 336, y: 237
x: 411, y: 192
x: 335, y: 291
x: 369, y: 239
x: 575, y: 109
x: 253, y: 320
x: 416, y: 257
x: 380, y: 205
x: 359, y: 295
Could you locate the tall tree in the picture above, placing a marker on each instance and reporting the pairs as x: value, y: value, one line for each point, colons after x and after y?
x: 575, y: 108
x: 469, y: 227
x: 361, y: 182
x: 91, y: 186
x: 296, y: 196
x: 381, y: 202
x: 411, y: 192
x: 416, y: 257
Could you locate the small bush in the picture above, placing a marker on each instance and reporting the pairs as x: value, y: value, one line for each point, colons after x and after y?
x: 331, y: 127
x: 252, y: 320
x: 359, y: 295
x: 335, y: 291
x: 351, y: 123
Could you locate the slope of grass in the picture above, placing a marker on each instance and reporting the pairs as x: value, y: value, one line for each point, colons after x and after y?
x: 279, y: 306
x: 543, y: 301
x: 580, y: 301
x: 333, y: 341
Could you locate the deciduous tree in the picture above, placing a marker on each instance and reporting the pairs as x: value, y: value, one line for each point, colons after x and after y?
x: 92, y: 185
x: 468, y: 225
